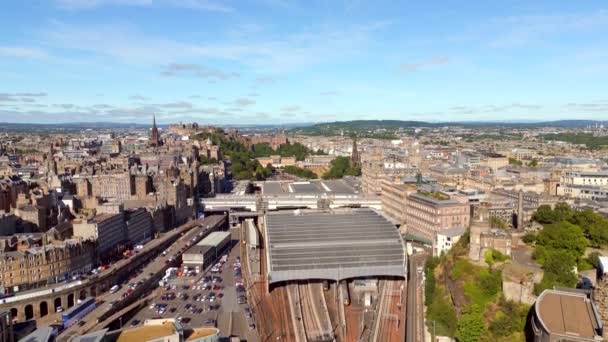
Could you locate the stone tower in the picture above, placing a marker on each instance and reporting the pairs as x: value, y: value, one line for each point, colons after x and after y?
x: 479, y: 225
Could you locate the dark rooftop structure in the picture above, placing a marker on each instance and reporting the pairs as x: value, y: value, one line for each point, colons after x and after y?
x: 332, y: 245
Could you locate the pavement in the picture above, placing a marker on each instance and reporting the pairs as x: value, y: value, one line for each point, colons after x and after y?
x: 153, y: 266
x: 229, y: 317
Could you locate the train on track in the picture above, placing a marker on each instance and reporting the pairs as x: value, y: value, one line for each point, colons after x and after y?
x: 344, y: 291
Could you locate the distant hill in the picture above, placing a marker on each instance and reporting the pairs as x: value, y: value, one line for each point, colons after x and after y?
x: 308, y: 128
x: 368, y: 125
x: 70, y: 126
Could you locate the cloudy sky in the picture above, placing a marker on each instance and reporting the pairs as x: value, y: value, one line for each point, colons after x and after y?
x: 280, y: 61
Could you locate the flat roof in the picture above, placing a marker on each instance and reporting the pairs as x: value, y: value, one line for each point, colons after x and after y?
x: 332, y: 245
x: 202, y: 332
x: 566, y: 313
x: 312, y: 187
x: 213, y: 239
x: 147, y: 332
x: 252, y: 234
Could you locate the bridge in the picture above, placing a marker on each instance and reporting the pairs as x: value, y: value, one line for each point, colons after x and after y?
x: 37, y: 304
x: 314, y: 201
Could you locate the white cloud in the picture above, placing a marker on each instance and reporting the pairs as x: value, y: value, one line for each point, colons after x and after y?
x: 424, y: 64
x: 22, y: 52
x: 263, y: 54
x: 243, y: 102
x: 176, y: 69
x: 291, y: 108
x: 204, y: 5
x: 519, y: 31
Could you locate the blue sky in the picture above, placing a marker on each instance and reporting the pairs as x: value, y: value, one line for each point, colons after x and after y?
x: 281, y: 61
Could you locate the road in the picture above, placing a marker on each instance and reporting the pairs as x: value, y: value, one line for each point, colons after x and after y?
x: 415, y: 302
x: 230, y: 317
x: 152, y: 267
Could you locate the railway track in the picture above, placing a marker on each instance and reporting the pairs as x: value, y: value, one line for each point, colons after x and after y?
x: 296, y: 313
x: 315, y: 316
x: 272, y: 311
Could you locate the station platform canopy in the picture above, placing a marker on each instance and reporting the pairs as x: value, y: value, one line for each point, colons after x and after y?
x: 341, y: 244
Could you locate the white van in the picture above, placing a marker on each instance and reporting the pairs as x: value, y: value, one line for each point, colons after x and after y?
x: 114, y: 288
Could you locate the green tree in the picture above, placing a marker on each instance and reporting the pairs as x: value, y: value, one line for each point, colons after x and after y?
x: 300, y: 172
x: 559, y: 271
x: 510, y: 319
x: 563, y: 236
x: 594, y: 259
x: 429, y: 273
x: 514, y: 161
x: 544, y: 214
x: 442, y: 314
x: 341, y: 167
x: 497, y: 222
x: 471, y: 327
x: 594, y: 225
x: 533, y: 163
x: 529, y: 238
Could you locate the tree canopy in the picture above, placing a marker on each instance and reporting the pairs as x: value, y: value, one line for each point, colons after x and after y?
x: 285, y: 150
x: 561, y: 244
x: 341, y: 167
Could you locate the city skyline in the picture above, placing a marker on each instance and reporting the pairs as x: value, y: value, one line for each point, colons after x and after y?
x: 284, y: 62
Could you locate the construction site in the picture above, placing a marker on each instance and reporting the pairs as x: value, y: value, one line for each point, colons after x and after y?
x: 325, y: 276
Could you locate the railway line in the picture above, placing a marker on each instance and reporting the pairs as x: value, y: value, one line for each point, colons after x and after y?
x: 296, y: 313
x: 271, y: 310
x: 309, y: 302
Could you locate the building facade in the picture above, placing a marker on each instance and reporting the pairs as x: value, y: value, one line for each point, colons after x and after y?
x: 108, y: 230
x: 428, y: 214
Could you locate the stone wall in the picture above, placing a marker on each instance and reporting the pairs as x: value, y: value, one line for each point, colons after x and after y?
x: 600, y: 295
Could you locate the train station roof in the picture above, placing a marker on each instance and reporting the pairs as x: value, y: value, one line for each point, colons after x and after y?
x: 336, y: 187
x: 332, y: 245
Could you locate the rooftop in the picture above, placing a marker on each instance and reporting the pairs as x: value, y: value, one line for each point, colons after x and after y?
x: 332, y: 245
x: 213, y: 239
x: 567, y: 313
x: 147, y: 332
x: 313, y: 187
x: 431, y: 199
x: 202, y: 332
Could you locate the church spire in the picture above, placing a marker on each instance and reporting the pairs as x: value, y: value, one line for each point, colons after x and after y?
x: 154, y: 138
x: 355, y: 158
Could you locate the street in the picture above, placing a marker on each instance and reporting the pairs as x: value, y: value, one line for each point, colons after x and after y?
x: 152, y: 267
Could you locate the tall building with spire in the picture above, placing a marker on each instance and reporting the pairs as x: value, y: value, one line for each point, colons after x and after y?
x: 355, y: 158
x: 154, y: 138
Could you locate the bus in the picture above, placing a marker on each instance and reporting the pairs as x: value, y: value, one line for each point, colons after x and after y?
x: 77, y: 312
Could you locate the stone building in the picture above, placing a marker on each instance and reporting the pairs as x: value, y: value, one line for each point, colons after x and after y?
x: 38, y: 266
x: 429, y: 212
x: 33, y: 214
x: 484, y: 238
x: 108, y: 230
x: 394, y: 200
x: 139, y: 225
